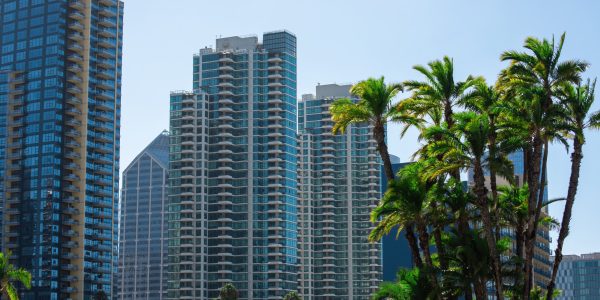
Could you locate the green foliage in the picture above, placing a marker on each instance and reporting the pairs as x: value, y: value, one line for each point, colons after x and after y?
x: 228, y: 292
x: 10, y: 275
x: 374, y: 106
x: 410, y: 284
x: 293, y: 295
x: 538, y: 99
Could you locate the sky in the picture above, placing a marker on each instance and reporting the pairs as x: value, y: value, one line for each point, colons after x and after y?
x: 348, y: 41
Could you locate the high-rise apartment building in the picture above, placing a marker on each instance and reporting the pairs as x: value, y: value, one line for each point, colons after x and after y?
x: 142, y: 272
x: 578, y: 277
x: 60, y: 100
x: 339, y: 183
x: 233, y: 171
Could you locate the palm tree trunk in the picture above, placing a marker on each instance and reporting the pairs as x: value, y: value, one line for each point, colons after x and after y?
x: 480, y: 291
x: 414, y: 248
x: 576, y: 158
x: 379, y: 136
x: 519, y: 253
x: 533, y: 180
x: 449, y: 119
x: 543, y: 184
x: 487, y: 225
x: 424, y: 243
x: 493, y: 179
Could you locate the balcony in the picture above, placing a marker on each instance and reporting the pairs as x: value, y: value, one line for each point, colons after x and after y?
x: 75, y: 47
x: 108, y: 22
x: 77, y: 15
x: 74, y: 90
x: 73, y: 67
x: 74, y: 79
x: 275, y: 60
x: 75, y: 58
x: 76, y: 36
x: 106, y: 54
x: 73, y: 111
x: 76, y: 4
x: 76, y: 25
x: 107, y: 42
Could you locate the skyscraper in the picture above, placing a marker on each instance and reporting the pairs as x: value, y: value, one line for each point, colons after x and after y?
x: 233, y: 171
x: 578, y: 277
x: 60, y: 99
x: 143, y: 230
x: 339, y: 183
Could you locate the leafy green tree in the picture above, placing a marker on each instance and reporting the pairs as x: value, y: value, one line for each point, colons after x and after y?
x: 578, y: 101
x: 535, y: 76
x: 228, y: 292
x: 10, y: 275
x: 293, y: 295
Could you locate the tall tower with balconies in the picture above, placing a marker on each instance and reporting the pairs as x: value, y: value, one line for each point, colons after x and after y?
x: 60, y: 81
x: 339, y: 183
x: 233, y: 171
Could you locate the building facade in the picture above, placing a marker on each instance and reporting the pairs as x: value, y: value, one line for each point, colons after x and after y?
x: 339, y: 183
x: 233, y: 171
x: 142, y: 271
x: 578, y: 277
x: 60, y: 147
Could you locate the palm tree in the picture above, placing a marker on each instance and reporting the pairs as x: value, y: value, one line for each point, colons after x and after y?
x: 484, y: 99
x: 463, y: 148
x: 537, y: 75
x: 10, y: 274
x: 228, y: 292
x: 437, y: 95
x: 293, y: 295
x: 410, y: 284
x: 578, y: 101
x: 375, y: 108
x: 469, y: 270
x: 402, y: 206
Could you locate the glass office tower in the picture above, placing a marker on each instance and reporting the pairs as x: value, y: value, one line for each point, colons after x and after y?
x: 339, y: 183
x: 60, y: 142
x: 233, y: 171
x: 578, y: 277
x: 143, y: 227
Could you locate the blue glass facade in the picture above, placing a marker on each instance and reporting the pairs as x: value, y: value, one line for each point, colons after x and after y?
x: 243, y: 124
x: 578, y: 277
x: 61, y: 147
x: 143, y: 227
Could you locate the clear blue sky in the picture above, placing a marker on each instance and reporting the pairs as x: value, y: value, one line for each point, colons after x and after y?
x: 346, y: 41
